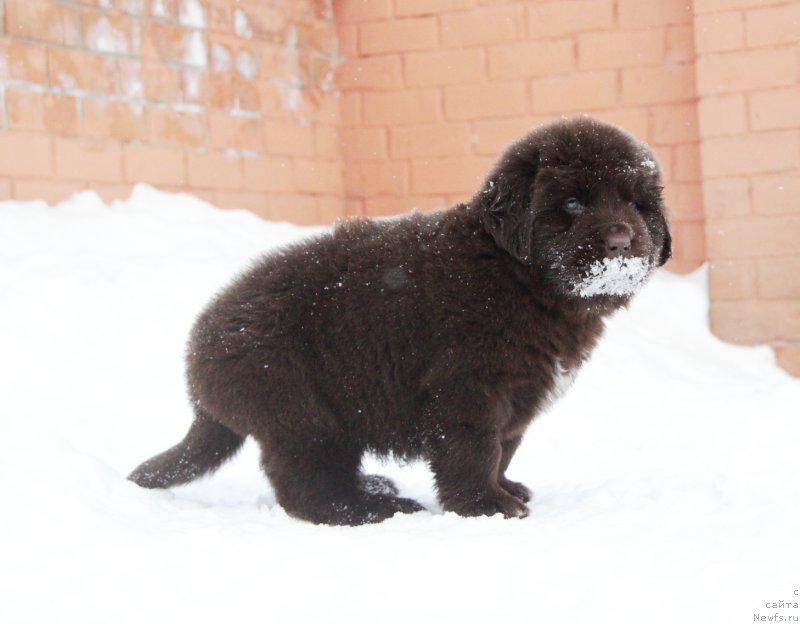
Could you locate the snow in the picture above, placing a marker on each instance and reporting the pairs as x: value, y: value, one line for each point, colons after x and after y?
x: 241, y: 24
x: 103, y: 37
x: 192, y: 14
x: 666, y: 480
x: 614, y: 276
x: 195, y: 49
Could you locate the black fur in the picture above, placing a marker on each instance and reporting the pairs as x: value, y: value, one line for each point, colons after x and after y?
x: 434, y: 336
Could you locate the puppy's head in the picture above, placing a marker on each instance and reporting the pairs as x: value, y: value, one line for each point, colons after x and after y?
x: 580, y: 201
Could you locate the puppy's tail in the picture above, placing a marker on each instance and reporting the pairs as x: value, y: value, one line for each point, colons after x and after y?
x: 205, y: 448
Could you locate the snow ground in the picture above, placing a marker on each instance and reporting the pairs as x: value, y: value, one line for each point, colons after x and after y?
x: 666, y: 481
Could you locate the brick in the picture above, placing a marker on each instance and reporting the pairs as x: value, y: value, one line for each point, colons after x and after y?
x: 329, y: 209
x: 530, y: 60
x: 22, y: 61
x: 711, y: 6
x: 348, y: 39
x: 5, y: 190
x: 168, y: 10
x: 401, y: 35
x: 720, y: 115
x: 154, y: 165
x: 778, y: 278
x: 685, y: 200
x: 315, y: 176
x: 410, y: 106
x: 42, y: 20
x: 719, y: 32
x: 680, y: 45
x: 327, y: 141
x: 131, y: 84
x: 257, y: 203
x: 294, y: 208
x: 110, y: 33
x: 773, y: 25
x: 689, y: 241
x: 30, y: 110
x: 492, y: 137
x: 109, y: 193
x: 776, y: 193
x: 775, y: 109
x: 177, y: 128
x: 288, y: 138
x: 268, y: 174
x: 656, y: 85
x: 404, y: 8
x: 72, y: 69
x: 353, y: 207
x: 558, y: 18
x: 747, y: 70
x: 617, y: 49
x: 756, y: 153
x: 364, y: 144
x: 25, y: 154
x: 788, y: 358
x: 634, y: 120
x: 504, y: 99
x: 348, y: 11
x: 428, y: 140
x: 663, y: 154
x: 576, y: 92
x: 753, y: 322
x: 213, y: 169
x: 236, y: 132
x: 638, y: 14
x: 160, y: 82
x: 676, y: 123
x: 370, y: 179
x: 88, y: 160
x: 482, y: 27
x: 350, y: 108
x: 119, y: 120
x: 726, y: 197
x: 426, y: 69
x: 448, y: 175
x: 753, y: 237
x: 374, y: 72
x: 174, y: 44
x: 50, y: 191
x: 687, y: 162
x: 731, y: 280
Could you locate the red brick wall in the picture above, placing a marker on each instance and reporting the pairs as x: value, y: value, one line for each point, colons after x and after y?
x: 748, y: 82
x: 232, y: 100
x: 309, y: 109
x: 432, y: 90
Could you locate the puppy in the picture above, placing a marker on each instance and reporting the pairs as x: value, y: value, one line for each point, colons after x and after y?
x: 436, y: 336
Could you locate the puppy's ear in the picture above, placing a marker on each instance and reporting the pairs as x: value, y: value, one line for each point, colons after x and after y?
x: 666, y: 248
x: 505, y: 201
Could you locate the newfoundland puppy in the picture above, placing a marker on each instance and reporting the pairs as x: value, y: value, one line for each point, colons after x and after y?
x: 435, y: 336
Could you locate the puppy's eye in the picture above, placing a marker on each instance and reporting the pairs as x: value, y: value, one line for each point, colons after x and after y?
x: 572, y: 206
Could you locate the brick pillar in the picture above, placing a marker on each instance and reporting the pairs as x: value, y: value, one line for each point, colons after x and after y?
x: 748, y: 80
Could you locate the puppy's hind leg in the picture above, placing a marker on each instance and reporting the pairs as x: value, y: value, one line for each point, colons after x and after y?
x: 320, y: 482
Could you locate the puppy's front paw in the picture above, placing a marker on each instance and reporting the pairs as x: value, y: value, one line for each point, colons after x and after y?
x: 491, y: 504
x: 516, y: 489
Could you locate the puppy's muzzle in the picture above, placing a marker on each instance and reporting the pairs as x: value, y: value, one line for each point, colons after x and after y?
x: 617, y: 239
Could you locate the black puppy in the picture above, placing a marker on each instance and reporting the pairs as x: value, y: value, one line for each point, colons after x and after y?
x: 436, y: 336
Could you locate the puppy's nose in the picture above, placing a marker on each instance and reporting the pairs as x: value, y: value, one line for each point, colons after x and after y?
x: 617, y: 240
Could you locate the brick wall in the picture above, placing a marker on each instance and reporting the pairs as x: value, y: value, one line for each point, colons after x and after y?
x: 309, y: 109
x: 432, y: 90
x: 748, y: 82
x: 232, y: 100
